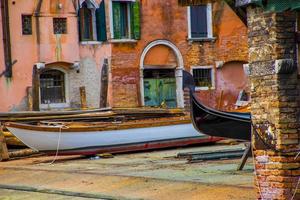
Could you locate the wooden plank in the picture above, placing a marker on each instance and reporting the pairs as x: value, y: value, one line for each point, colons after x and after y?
x: 14, y: 141
x: 23, y: 153
x: 49, y: 113
x: 104, y: 85
x: 30, y: 98
x: 83, y: 97
x: 35, y: 89
x: 3, y: 148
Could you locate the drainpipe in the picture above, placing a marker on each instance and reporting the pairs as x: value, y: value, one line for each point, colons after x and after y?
x: 37, y: 24
x: 35, y: 71
x: 6, y: 40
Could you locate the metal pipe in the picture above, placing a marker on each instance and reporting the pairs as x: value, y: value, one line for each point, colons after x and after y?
x: 37, y: 24
x: 6, y: 39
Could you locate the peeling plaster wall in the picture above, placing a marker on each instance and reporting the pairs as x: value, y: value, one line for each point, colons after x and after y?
x: 52, y: 49
x: 160, y: 20
x: 169, y: 22
x: 24, y: 50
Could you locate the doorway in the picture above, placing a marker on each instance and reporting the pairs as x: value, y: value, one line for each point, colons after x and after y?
x: 160, y: 88
x: 161, y: 68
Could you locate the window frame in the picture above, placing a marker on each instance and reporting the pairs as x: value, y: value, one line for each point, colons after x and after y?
x: 31, y: 26
x: 92, y: 9
x: 111, y: 24
x: 60, y: 18
x: 65, y: 104
x: 209, y: 24
x: 213, y: 83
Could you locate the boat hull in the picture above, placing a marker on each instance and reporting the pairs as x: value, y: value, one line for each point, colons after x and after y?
x: 220, y: 124
x: 91, y: 142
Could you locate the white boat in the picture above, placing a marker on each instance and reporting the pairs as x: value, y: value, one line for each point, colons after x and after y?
x: 91, y: 138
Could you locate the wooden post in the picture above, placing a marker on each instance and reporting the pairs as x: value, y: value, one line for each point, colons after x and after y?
x: 35, y: 89
x: 3, y: 148
x: 30, y: 98
x: 247, y: 153
x: 83, y: 97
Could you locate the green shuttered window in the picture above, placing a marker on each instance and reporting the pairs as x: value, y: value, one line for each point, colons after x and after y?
x: 101, y: 22
x: 126, y: 20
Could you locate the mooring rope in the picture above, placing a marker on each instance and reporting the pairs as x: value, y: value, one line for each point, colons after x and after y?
x: 277, y: 151
x: 58, y: 142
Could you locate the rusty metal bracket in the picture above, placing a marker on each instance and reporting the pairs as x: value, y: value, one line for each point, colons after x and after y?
x: 8, y: 70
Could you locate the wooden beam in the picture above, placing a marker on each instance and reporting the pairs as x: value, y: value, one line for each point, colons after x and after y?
x: 83, y: 97
x: 3, y: 148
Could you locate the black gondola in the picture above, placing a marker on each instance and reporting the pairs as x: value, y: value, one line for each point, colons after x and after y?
x: 217, y: 123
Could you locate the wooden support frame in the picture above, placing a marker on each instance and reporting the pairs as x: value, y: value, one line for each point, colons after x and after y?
x: 247, y: 153
x: 3, y: 148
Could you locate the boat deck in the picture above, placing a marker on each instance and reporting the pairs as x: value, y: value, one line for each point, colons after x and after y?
x: 148, y: 175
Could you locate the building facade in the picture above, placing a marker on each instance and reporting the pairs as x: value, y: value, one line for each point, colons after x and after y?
x: 123, y: 53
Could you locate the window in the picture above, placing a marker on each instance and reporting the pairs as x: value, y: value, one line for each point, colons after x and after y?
x: 92, y: 22
x: 203, y: 77
x: 125, y: 20
x: 52, y: 87
x: 60, y: 25
x: 200, y: 21
x: 26, y: 24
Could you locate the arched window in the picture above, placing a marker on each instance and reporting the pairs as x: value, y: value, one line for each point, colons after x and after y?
x: 92, y: 24
x: 52, y: 87
x: 86, y: 22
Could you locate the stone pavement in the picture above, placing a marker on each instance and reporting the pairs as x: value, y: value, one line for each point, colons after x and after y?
x: 149, y: 175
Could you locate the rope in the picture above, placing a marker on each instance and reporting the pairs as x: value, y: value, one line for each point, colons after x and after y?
x: 269, y: 146
x: 275, y: 150
x: 58, y: 143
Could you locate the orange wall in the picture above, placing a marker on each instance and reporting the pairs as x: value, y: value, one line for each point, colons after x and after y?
x: 163, y: 20
x: 230, y: 45
x: 160, y: 20
x: 166, y: 20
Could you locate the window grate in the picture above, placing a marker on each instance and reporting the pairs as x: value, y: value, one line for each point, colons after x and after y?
x: 60, y: 25
x: 26, y: 24
x: 202, y: 77
x: 52, y: 87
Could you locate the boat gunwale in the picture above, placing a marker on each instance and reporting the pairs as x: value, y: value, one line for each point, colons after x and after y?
x: 228, y: 115
x: 119, y: 126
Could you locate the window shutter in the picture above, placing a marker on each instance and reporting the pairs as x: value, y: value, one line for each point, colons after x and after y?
x: 79, y: 25
x: 135, y: 20
x: 101, y: 22
x: 198, y: 21
x: 116, y: 20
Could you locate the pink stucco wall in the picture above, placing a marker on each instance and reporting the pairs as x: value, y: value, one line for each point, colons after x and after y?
x: 49, y: 48
x: 160, y: 20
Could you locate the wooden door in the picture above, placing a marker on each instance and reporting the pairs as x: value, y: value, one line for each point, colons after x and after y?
x: 160, y: 91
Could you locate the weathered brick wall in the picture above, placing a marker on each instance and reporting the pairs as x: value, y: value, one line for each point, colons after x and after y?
x: 167, y: 20
x: 275, y: 102
x: 230, y: 44
x: 160, y: 20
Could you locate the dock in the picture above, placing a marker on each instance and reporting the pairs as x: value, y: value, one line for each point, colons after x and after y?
x: 151, y: 175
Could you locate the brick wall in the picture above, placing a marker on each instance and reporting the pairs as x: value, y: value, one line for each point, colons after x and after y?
x: 275, y: 102
x: 230, y: 44
x: 168, y: 21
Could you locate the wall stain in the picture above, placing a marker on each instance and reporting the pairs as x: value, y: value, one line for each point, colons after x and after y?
x: 58, y: 48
